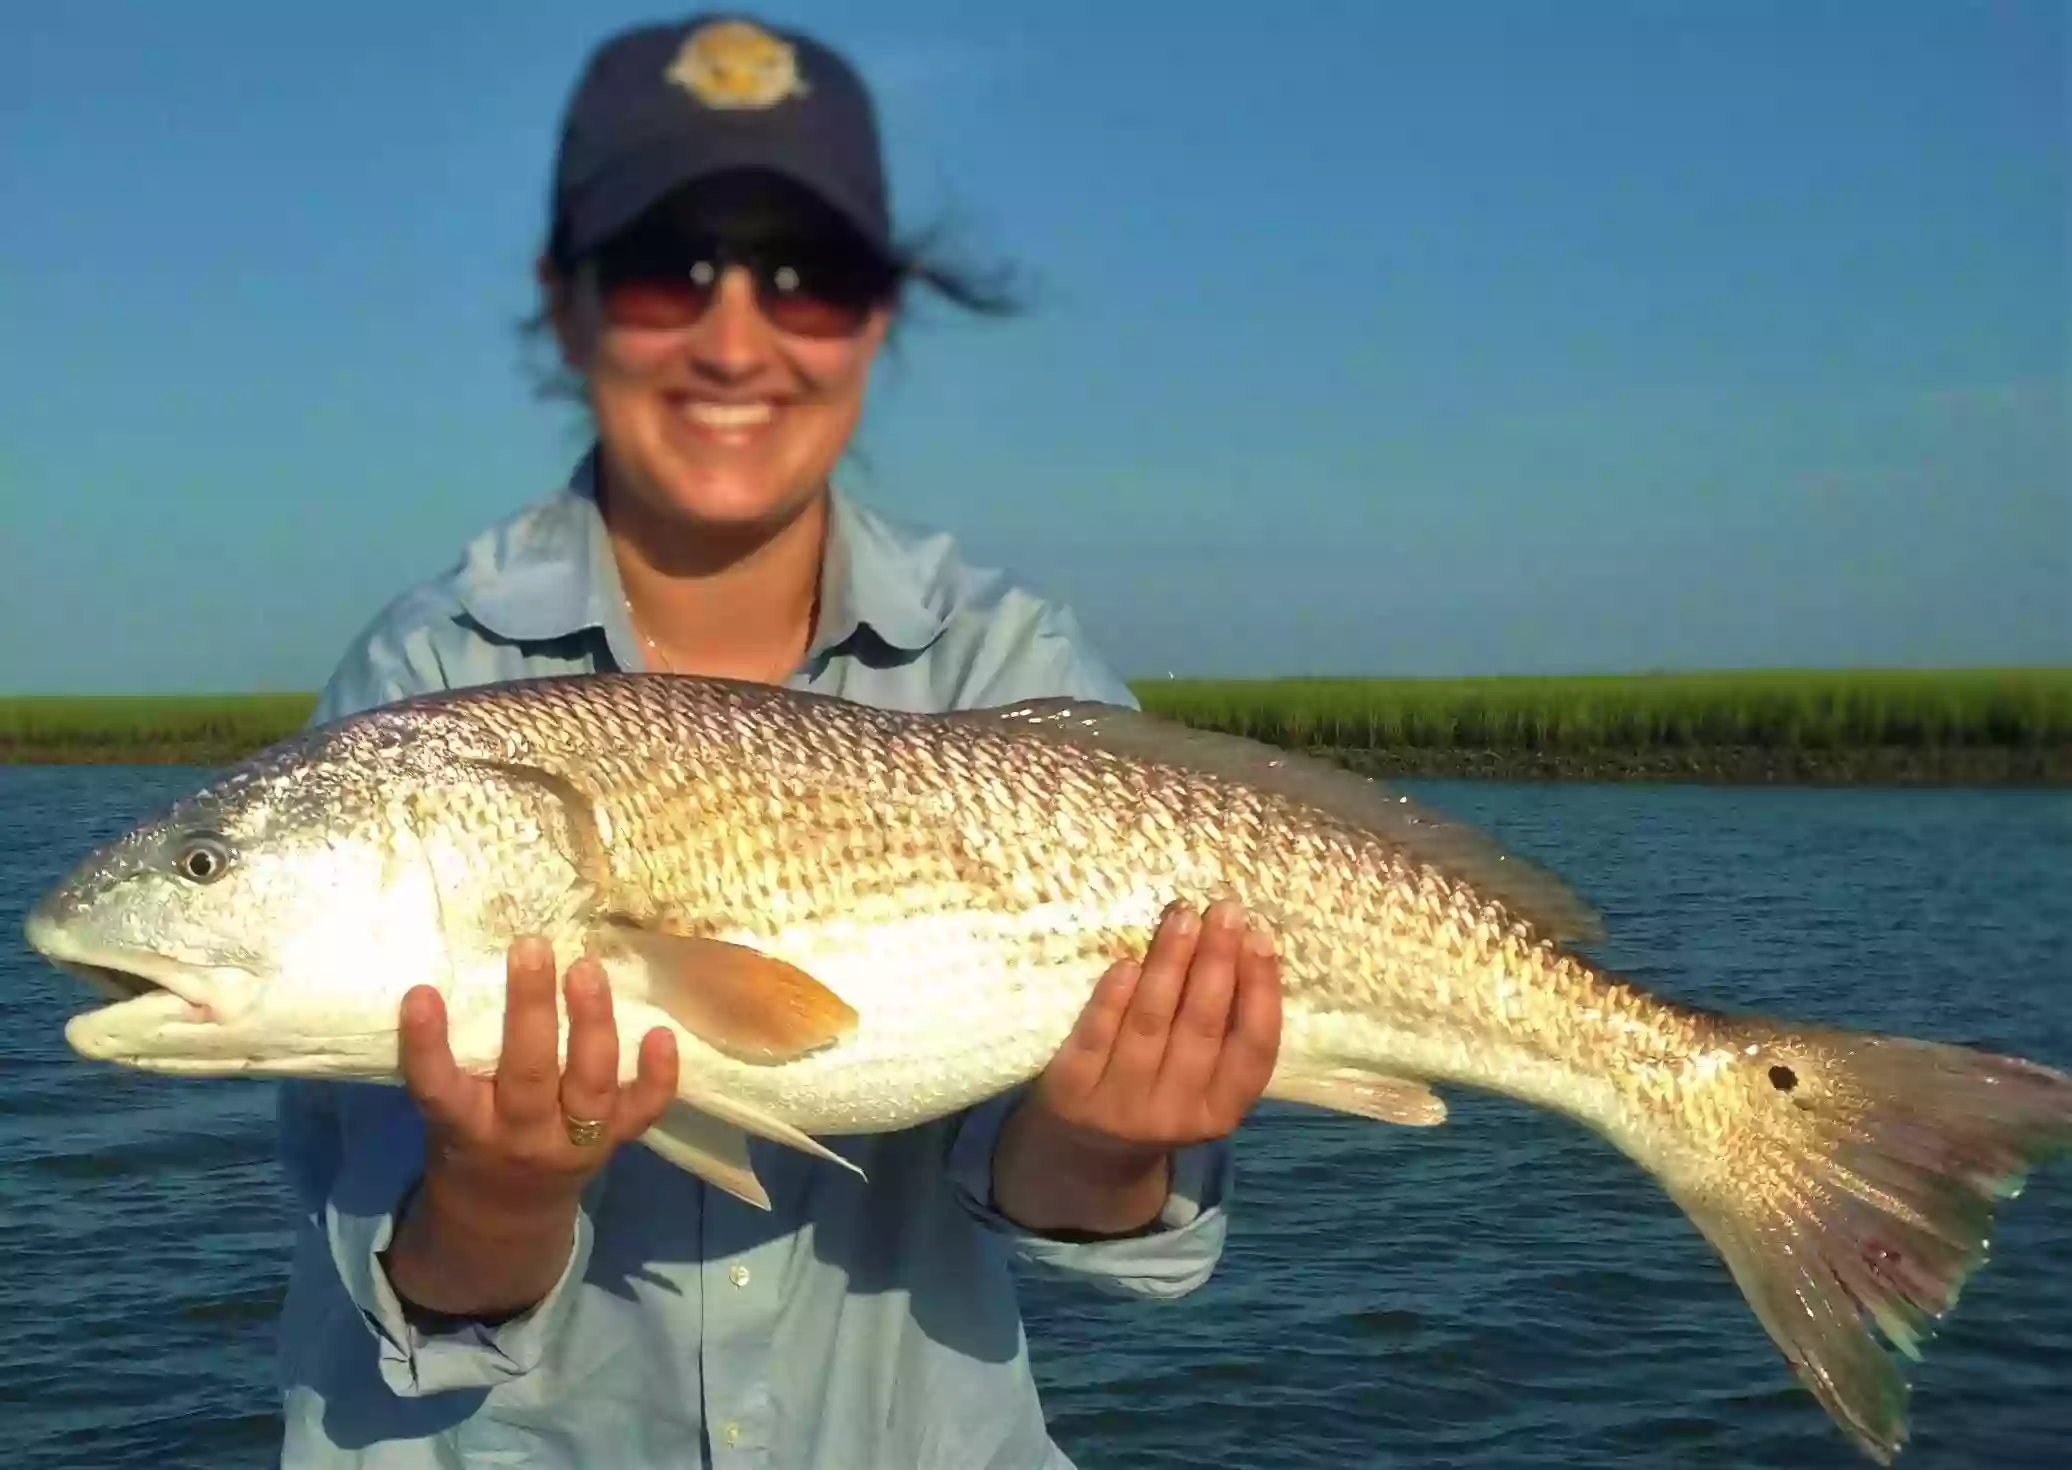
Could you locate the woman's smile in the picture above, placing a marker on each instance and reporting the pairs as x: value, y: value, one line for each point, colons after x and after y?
x: 725, y: 423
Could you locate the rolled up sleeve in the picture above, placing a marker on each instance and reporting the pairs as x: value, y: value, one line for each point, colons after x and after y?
x: 354, y: 1154
x: 1175, y: 1256
x: 416, y: 1363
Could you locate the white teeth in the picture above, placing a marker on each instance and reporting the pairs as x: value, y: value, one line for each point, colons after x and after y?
x: 729, y: 415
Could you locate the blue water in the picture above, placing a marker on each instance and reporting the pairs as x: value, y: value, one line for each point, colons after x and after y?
x: 1505, y: 1291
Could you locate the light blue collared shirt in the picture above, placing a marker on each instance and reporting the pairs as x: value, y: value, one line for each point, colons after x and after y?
x: 850, y: 1326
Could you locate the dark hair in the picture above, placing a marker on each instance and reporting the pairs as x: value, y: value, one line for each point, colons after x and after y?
x: 922, y: 262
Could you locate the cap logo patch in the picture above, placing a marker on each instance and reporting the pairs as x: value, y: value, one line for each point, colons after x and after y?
x: 737, y: 64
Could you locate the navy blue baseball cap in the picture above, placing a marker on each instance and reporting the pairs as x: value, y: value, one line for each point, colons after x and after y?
x: 662, y: 106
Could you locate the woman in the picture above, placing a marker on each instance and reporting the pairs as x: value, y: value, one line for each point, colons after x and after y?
x: 483, y: 1273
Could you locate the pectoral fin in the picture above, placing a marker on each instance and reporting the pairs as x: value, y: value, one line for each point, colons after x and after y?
x: 737, y: 1000
x: 1372, y: 1095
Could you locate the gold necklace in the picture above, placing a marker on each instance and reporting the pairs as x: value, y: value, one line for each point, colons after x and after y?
x: 654, y: 649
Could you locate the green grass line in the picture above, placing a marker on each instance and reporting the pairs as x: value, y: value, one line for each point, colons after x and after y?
x: 1999, y: 725
x: 142, y: 722
x: 1786, y: 709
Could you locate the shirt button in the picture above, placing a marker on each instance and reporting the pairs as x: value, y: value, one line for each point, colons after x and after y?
x: 732, y: 1434
x: 738, y: 1275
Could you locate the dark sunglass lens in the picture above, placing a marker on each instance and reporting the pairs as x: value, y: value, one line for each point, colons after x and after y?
x: 819, y: 295
x: 661, y: 275
x: 808, y: 316
x: 650, y: 282
x: 656, y: 303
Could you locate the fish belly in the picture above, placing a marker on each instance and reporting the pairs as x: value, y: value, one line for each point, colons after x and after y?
x: 952, y: 1008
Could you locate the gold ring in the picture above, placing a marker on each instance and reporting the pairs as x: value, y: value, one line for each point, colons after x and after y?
x: 582, y: 1132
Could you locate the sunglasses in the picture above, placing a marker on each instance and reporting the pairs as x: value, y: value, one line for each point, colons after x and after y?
x: 804, y: 290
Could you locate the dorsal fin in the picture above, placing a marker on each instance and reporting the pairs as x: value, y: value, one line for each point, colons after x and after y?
x: 1453, y: 848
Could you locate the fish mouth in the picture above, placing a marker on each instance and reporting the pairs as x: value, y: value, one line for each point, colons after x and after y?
x: 129, y: 980
x: 124, y: 986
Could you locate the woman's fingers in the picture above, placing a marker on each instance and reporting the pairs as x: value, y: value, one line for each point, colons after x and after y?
x: 590, y: 1085
x: 438, y: 1087
x: 1140, y: 1042
x: 517, y: 1128
x: 643, y: 1100
x: 1200, y: 1025
x: 1253, y: 1046
x: 528, y: 1074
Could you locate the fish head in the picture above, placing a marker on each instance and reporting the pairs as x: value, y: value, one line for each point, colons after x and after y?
x: 268, y: 923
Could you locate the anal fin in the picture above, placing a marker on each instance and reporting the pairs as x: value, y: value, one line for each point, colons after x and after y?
x: 707, y: 1135
x: 751, y: 1119
x: 714, y: 1150
x: 1373, y: 1095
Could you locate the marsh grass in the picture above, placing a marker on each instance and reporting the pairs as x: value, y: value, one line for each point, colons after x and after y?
x: 146, y: 728
x: 1811, y: 710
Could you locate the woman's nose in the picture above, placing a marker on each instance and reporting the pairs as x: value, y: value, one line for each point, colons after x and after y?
x: 734, y: 338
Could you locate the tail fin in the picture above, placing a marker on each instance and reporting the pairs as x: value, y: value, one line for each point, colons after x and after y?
x: 1866, y: 1185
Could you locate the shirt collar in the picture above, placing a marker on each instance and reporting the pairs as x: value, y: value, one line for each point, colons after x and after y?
x: 548, y: 573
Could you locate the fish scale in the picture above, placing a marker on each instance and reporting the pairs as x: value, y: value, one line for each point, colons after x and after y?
x: 859, y: 920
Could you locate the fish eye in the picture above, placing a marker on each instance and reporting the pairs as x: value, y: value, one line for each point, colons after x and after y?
x: 203, y: 859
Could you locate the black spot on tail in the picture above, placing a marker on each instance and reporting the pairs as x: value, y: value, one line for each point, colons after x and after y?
x: 1783, y: 1078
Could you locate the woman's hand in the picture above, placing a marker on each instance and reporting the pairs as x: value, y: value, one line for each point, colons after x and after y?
x: 1166, y: 1054
x: 506, y: 1158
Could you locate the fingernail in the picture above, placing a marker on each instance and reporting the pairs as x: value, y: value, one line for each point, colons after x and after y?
x: 532, y: 949
x: 1258, y: 939
x: 1184, y: 919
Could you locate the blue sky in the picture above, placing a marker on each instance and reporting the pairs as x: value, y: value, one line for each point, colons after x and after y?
x: 1370, y: 338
